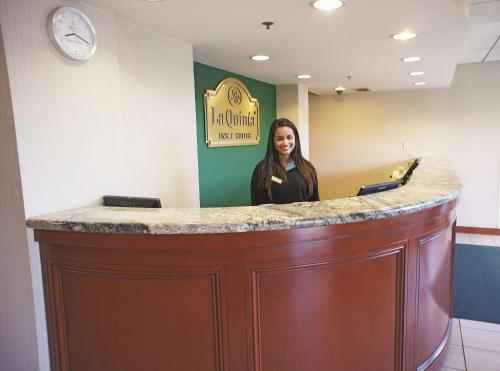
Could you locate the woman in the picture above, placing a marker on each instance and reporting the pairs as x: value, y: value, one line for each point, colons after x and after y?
x: 284, y: 176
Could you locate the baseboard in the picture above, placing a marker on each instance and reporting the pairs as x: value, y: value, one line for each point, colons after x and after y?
x: 477, y: 230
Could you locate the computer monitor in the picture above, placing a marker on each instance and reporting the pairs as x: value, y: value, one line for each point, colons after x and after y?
x: 379, y: 187
x: 408, y: 173
x: 126, y: 201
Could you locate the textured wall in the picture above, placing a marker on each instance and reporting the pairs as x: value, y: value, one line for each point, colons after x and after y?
x: 120, y: 123
x: 18, y: 346
x: 357, y: 139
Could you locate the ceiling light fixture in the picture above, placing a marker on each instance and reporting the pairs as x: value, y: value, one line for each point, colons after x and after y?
x: 260, y: 58
x: 404, y: 36
x: 328, y: 4
x: 419, y: 83
x: 339, y: 90
x: 267, y: 24
x: 416, y: 73
x: 303, y: 76
x: 411, y: 59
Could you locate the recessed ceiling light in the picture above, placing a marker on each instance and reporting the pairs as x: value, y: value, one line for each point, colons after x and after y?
x: 260, y: 58
x: 303, y: 76
x: 328, y: 4
x: 404, y: 36
x: 416, y: 73
x: 411, y: 59
x: 419, y: 83
x: 339, y: 88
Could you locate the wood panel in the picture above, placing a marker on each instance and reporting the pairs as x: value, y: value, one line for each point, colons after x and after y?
x: 300, y: 299
x: 137, y: 320
x: 307, y: 317
x: 434, y: 295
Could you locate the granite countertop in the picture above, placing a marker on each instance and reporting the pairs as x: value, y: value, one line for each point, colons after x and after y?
x: 433, y: 183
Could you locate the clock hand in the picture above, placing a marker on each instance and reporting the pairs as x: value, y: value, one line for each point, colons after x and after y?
x: 81, y: 38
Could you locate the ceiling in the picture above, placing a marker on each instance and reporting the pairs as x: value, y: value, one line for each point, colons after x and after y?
x: 354, y: 40
x: 482, y: 39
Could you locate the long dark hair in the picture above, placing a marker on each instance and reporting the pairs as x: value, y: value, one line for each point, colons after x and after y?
x: 271, y: 164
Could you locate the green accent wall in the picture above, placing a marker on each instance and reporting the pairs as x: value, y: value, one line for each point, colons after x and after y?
x: 225, y: 172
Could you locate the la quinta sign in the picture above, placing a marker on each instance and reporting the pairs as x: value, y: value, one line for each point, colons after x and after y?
x: 231, y: 115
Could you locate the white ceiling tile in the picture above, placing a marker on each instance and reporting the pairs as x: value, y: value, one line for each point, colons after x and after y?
x: 495, y: 52
x: 484, y: 12
x: 474, y: 54
x: 492, y: 58
x: 483, y: 29
x: 469, y: 60
x: 480, y: 43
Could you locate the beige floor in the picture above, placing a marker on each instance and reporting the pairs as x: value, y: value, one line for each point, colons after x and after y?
x: 475, y: 346
x: 478, y: 239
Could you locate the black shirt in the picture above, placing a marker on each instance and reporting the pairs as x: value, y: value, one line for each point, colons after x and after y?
x: 294, y: 189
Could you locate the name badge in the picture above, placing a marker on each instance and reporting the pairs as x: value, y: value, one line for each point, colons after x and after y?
x: 276, y: 179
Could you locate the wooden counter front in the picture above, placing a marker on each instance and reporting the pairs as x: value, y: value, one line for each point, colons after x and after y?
x: 372, y: 295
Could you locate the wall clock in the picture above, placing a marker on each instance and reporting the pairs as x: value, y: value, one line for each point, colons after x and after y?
x: 72, y: 33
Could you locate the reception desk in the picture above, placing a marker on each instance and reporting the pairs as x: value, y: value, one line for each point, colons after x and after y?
x: 361, y: 283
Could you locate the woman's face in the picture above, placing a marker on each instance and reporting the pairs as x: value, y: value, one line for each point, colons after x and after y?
x: 284, y: 141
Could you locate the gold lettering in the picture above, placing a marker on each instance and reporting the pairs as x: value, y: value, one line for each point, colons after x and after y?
x: 229, y: 118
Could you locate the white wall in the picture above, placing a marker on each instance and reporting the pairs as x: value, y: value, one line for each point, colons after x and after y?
x: 121, y: 123
x: 303, y: 107
x: 18, y: 346
x: 357, y: 138
x: 292, y: 102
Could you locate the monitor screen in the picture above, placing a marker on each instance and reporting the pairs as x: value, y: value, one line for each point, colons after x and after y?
x: 126, y: 201
x: 408, y: 173
x: 379, y: 187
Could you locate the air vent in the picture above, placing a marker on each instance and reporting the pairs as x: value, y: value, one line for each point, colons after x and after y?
x: 362, y: 89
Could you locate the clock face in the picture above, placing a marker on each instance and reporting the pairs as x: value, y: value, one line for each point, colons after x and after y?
x: 72, y: 33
